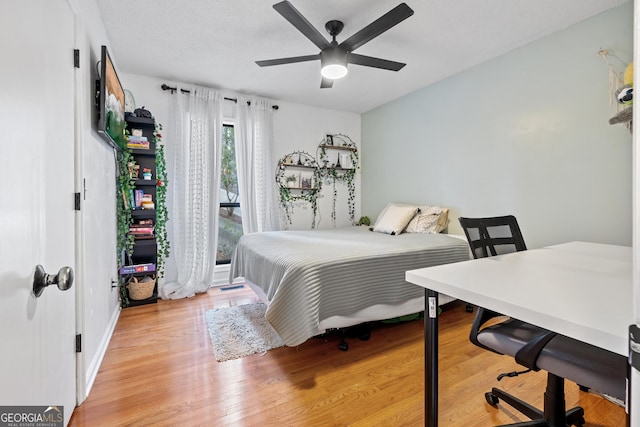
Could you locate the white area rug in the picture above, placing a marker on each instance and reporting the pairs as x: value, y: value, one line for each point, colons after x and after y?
x: 240, y: 331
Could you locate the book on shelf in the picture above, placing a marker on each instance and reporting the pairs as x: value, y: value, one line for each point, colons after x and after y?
x: 141, y: 231
x: 138, y: 146
x: 137, y: 138
x: 139, y: 142
x: 138, y: 197
x: 138, y: 268
x: 142, y: 228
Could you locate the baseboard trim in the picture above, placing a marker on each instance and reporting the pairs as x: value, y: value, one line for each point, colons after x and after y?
x: 94, y: 366
x: 221, y: 275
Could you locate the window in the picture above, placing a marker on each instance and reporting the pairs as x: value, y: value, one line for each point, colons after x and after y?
x: 230, y: 219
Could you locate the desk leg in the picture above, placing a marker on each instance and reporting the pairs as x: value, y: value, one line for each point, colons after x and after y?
x: 431, y: 358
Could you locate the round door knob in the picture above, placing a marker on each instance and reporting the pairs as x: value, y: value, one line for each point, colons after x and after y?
x: 64, y: 279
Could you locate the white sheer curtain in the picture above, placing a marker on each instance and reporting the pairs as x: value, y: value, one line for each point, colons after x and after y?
x: 195, y: 181
x: 256, y: 165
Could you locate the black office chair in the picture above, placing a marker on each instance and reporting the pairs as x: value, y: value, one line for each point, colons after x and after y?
x: 537, y: 348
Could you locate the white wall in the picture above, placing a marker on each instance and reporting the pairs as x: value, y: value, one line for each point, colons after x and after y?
x: 296, y: 127
x: 98, y: 302
x: 299, y: 127
x: 526, y: 134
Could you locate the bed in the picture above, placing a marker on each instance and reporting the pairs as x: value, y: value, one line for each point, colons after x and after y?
x: 315, y: 280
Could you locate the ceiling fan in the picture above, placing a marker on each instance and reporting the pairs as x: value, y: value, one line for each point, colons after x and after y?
x: 334, y: 57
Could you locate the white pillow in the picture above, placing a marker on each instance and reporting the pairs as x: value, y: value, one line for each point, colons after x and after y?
x: 394, y: 219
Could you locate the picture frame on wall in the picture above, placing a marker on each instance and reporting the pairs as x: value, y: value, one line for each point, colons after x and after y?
x: 306, y: 181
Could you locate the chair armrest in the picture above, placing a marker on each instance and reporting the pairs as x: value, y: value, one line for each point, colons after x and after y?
x: 528, y: 355
x: 482, y: 316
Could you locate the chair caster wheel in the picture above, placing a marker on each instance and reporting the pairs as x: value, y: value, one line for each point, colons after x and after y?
x: 579, y: 422
x: 468, y: 308
x: 344, y: 346
x: 492, y: 399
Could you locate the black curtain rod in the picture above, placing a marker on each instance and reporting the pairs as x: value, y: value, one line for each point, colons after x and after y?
x: 174, y: 90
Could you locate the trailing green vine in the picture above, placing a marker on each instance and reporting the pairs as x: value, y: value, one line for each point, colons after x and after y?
x: 125, y: 186
x: 162, y: 214
x: 124, y: 219
x: 340, y: 173
x: 295, y: 188
x: 292, y: 191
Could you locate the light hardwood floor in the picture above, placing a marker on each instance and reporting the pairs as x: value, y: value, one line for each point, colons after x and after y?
x: 160, y: 370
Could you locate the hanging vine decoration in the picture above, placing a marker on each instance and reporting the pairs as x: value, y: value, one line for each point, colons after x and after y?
x: 162, y: 214
x: 124, y: 218
x: 337, y: 172
x: 294, y: 187
x: 335, y: 197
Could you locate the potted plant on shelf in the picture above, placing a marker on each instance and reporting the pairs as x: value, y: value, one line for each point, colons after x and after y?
x: 291, y: 181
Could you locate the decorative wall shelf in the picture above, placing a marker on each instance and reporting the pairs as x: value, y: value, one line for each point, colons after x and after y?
x: 300, y: 176
x: 338, y: 159
x: 298, y: 180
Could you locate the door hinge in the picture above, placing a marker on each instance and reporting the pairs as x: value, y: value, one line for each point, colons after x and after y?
x: 79, y: 343
x: 76, y: 58
x: 76, y: 201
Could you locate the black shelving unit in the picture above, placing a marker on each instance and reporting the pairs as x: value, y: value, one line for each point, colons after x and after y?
x: 145, y: 248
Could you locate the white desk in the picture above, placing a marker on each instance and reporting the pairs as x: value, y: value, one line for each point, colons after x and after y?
x: 581, y: 290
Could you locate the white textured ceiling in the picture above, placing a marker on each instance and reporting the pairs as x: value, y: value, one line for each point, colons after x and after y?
x: 214, y: 43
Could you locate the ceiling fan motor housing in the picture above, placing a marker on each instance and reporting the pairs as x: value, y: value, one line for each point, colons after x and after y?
x: 334, y: 28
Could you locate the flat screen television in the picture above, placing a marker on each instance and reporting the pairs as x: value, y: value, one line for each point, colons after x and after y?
x: 110, y: 103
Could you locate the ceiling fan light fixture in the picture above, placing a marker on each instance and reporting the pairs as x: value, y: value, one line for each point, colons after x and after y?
x: 334, y: 71
x: 334, y: 63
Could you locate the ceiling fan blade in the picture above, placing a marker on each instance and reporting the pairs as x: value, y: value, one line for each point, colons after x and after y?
x: 370, y: 61
x: 326, y: 83
x: 296, y: 19
x: 377, y: 27
x: 290, y: 60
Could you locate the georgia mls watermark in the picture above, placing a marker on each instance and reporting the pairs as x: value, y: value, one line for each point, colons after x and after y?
x: 31, y: 416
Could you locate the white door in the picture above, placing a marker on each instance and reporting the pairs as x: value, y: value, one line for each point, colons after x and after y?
x: 635, y: 355
x: 37, y: 360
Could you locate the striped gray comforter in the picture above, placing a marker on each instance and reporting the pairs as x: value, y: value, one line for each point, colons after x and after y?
x: 308, y: 276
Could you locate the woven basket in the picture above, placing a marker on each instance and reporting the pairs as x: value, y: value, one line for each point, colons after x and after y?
x: 141, y: 289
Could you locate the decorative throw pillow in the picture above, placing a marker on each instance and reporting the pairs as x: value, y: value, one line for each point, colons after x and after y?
x: 394, y: 219
x: 429, y: 219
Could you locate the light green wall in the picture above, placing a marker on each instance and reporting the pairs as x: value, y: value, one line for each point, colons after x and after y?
x: 525, y: 134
